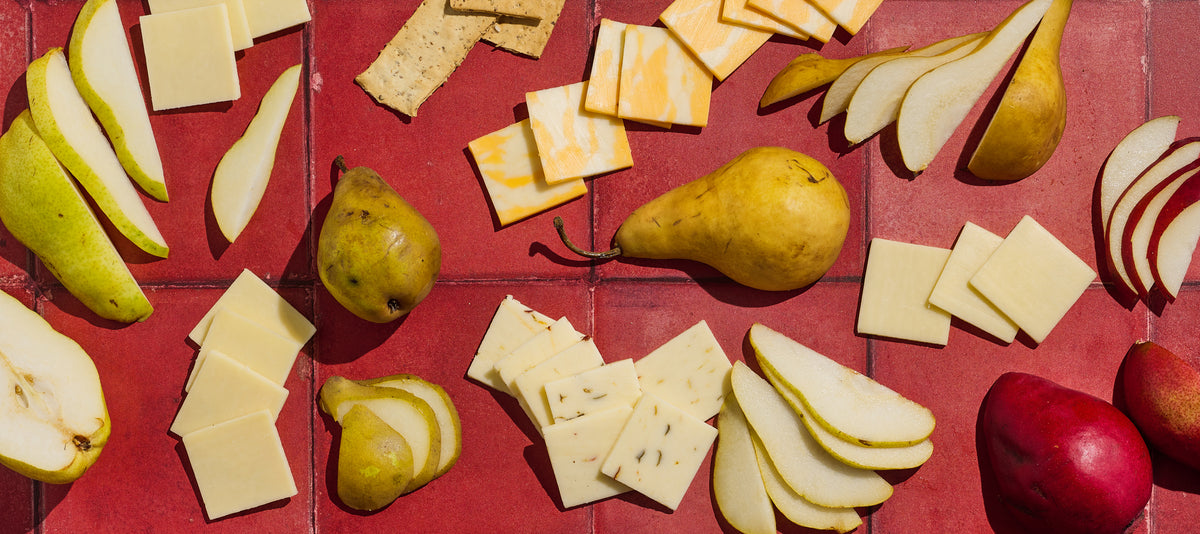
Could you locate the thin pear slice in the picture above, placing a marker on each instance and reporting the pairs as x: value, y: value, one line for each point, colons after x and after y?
x: 241, y: 177
x: 853, y: 453
x: 803, y: 464
x: 1176, y: 233
x: 1135, y: 240
x: 849, y: 404
x: 876, y: 101
x: 810, y: 71
x: 794, y: 506
x: 737, y: 482
x: 837, y: 98
x: 939, y: 101
x: 65, y: 122
x: 103, y: 69
x: 1138, y: 150
x: 443, y: 411
x: 43, y: 208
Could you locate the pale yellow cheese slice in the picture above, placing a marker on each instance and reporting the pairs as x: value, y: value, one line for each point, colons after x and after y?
x: 690, y: 371
x: 253, y: 299
x: 895, y: 293
x: 555, y: 339
x: 226, y: 389
x: 661, y: 80
x: 607, y: 386
x: 512, y: 324
x: 257, y: 347
x: 849, y: 14
x: 189, y: 57
x: 954, y: 294
x: 238, y: 29
x: 722, y: 47
x: 577, y: 448
x: 269, y: 16
x: 530, y: 386
x: 573, y: 142
x: 239, y: 464
x: 799, y: 14
x: 1033, y: 278
x: 736, y: 12
x: 511, y: 170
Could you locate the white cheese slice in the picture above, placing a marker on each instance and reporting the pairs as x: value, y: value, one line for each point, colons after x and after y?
x: 573, y: 142
x: 189, y: 57
x: 722, y: 47
x: 799, y: 14
x: 849, y: 14
x: 954, y: 294
x: 238, y: 29
x: 1033, y: 278
x: 239, y: 464
x: 251, y: 344
x: 512, y: 174
x: 538, y: 349
x: 690, y: 371
x: 513, y: 324
x: 577, y: 448
x: 613, y: 384
x: 530, y: 386
x: 895, y: 293
x: 253, y: 299
x: 736, y: 12
x: 269, y: 16
x: 660, y: 80
x: 659, y: 450
x: 226, y: 389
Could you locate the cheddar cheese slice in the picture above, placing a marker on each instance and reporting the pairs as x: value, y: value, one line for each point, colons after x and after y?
x: 238, y: 28
x: 239, y: 464
x: 799, y: 14
x: 605, y: 82
x: 849, y: 14
x: 722, y: 47
x: 736, y: 12
x: 511, y: 170
x: 661, y: 80
x: 895, y: 293
x: 253, y: 299
x: 259, y: 348
x: 573, y: 142
x: 189, y: 57
x: 226, y: 389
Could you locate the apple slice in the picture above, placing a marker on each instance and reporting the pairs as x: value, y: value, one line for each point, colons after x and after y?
x: 737, y: 482
x: 1137, y: 151
x: 1135, y: 239
x: 1174, y: 237
x: 241, y: 177
x: 443, y: 411
x: 939, y: 101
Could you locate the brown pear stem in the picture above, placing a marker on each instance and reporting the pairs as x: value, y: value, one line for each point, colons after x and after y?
x: 340, y: 163
x: 614, y: 252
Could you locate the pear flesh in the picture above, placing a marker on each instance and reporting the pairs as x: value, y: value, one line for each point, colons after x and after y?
x: 810, y: 71
x: 375, y: 463
x: 43, y: 208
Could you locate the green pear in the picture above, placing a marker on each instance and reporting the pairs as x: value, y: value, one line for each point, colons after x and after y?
x: 42, y: 207
x: 375, y: 463
x: 377, y: 255
x: 771, y: 219
x: 443, y: 410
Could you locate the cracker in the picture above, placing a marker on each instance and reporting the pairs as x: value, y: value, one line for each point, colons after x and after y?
x: 526, y: 9
x: 522, y: 36
x: 420, y: 58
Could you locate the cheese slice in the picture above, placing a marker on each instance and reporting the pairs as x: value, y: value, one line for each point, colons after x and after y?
x: 605, y: 81
x: 799, y: 14
x: 239, y: 31
x: 607, y: 386
x: 573, y: 142
x: 269, y: 16
x: 895, y: 293
x: 690, y: 371
x: 513, y: 324
x: 954, y: 294
x: 253, y: 299
x: 530, y: 386
x: 577, y: 448
x: 1033, y: 278
x: 189, y: 57
x: 722, y: 47
x: 660, y: 80
x: 538, y: 349
x: 239, y: 464
x: 736, y: 12
x: 262, y: 350
x: 512, y: 174
x: 659, y: 450
x: 849, y: 14
x: 226, y: 389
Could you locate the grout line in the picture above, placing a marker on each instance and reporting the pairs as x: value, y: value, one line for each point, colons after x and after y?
x: 310, y: 283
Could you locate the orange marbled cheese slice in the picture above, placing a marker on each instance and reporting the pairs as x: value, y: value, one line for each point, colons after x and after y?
x: 573, y: 142
x: 722, y: 47
x: 799, y: 14
x: 661, y: 80
x: 512, y: 174
x: 849, y: 14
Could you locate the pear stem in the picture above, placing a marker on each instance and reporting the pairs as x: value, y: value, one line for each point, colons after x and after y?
x: 340, y: 163
x: 614, y: 252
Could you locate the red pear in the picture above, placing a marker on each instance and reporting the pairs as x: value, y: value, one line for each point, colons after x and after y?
x: 1064, y: 461
x: 1162, y: 396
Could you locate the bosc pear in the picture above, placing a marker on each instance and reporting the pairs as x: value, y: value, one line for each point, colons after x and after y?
x: 771, y: 219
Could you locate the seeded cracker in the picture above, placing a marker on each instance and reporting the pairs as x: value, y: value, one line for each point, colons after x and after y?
x: 522, y: 36
x: 527, y: 9
x: 419, y: 59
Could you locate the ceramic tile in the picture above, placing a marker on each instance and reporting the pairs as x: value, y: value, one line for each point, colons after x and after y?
x: 14, y: 44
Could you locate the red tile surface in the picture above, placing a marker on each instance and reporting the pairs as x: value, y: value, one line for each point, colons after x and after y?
x: 1124, y: 62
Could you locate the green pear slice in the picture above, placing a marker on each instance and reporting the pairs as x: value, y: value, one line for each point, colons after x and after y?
x: 103, y: 69
x: 847, y: 403
x: 375, y: 463
x: 803, y: 464
x: 795, y: 507
x: 53, y: 418
x: 939, y: 100
x: 737, y: 483
x: 443, y: 411
x: 65, y: 122
x: 43, y: 208
x: 241, y: 177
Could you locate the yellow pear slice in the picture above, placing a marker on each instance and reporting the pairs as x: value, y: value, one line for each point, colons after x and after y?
x: 795, y: 507
x: 849, y: 404
x: 803, y: 464
x: 737, y: 482
x: 103, y: 70
x: 1135, y: 153
x: 810, y: 71
x: 443, y: 411
x: 939, y: 101
x: 66, y: 124
x: 241, y: 177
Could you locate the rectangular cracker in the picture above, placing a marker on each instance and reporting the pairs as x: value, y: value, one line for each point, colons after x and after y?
x: 526, y: 9
x: 522, y: 36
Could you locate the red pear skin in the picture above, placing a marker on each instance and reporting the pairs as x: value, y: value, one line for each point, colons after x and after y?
x: 1162, y: 396
x: 1064, y: 461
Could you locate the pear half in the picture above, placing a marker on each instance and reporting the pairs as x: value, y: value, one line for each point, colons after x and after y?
x: 241, y: 177
x: 375, y: 463
x: 66, y: 124
x: 53, y: 418
x: 103, y: 69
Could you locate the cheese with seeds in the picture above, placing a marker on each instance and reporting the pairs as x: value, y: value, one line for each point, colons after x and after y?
x: 660, y: 80
x: 607, y: 386
x: 538, y: 349
x: 512, y: 324
x: 572, y: 142
x: 511, y: 170
x: 577, y: 448
x: 895, y: 293
x: 530, y: 386
x: 690, y: 371
x: 722, y: 47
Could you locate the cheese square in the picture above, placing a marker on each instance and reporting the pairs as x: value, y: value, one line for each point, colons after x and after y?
x: 690, y: 371
x: 239, y: 464
x: 895, y: 293
x: 538, y: 349
x: 189, y: 57
x: 577, y: 448
x: 954, y: 294
x: 1033, y: 278
x: 269, y: 16
x: 660, y: 80
x: 511, y: 169
x: 721, y: 47
x: 605, y: 81
x: 257, y: 347
x: 530, y: 386
x: 239, y: 31
x: 573, y: 142
x: 736, y: 12
x: 253, y: 299
x: 226, y: 389
x: 512, y: 324
x: 659, y: 450
x: 610, y: 385
x: 849, y: 14
x: 799, y: 14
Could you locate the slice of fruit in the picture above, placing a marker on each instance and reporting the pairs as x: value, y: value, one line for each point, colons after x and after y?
x: 737, y: 482
x: 1174, y: 237
x: 443, y: 411
x: 1135, y: 240
x: 794, y: 506
x: 810, y: 71
x: 375, y: 463
x: 1137, y: 151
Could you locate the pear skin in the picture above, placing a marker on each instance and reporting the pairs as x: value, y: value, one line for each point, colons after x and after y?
x: 375, y: 463
x: 810, y: 71
x: 1162, y: 397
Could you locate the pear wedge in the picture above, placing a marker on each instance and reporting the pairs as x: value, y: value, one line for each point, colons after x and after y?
x: 241, y: 177
x: 103, y: 69
x: 939, y: 101
x: 66, y: 124
x: 737, y: 482
x: 443, y: 411
x: 1137, y: 150
x: 43, y: 208
x: 794, y: 506
x: 1031, y: 118
x: 810, y: 71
